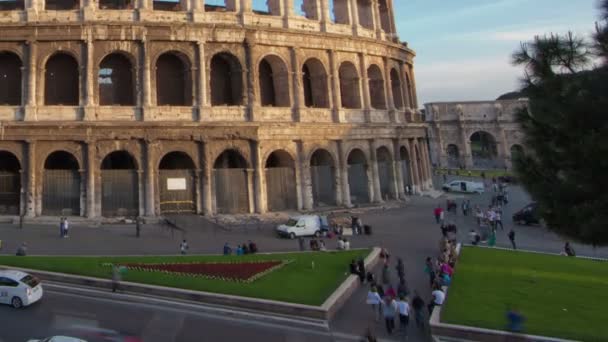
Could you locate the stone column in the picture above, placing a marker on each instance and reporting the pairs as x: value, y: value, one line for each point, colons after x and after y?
x: 207, y: 174
x: 251, y: 84
x: 91, y: 168
x: 146, y: 89
x: 390, y: 102
x: 504, y: 148
x: 354, y: 15
x: 201, y: 76
x: 89, y: 109
x: 325, y: 16
x: 305, y: 177
x: 259, y: 180
x: 297, y: 84
x: 32, y: 7
x: 335, y: 86
x: 251, y: 193
x: 414, y: 166
x: 425, y: 162
x: 391, y: 17
x: 245, y: 10
x: 364, y: 87
x: 31, y: 179
x: 343, y: 169
x: 150, y: 174
x: 198, y: 10
x: 375, y: 174
x: 30, y: 107
x: 397, y: 169
x: 377, y: 20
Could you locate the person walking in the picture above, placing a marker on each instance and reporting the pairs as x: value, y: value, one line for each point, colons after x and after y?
x: 386, y: 275
x: 400, y: 268
x: 498, y: 219
x: 418, y: 306
x: 374, y: 299
x: 464, y: 208
x: 389, y: 311
x: 438, y: 297
x: 437, y: 212
x: 403, y: 308
x: 361, y: 267
x: 429, y: 269
x: 512, y: 238
x: 183, y: 247
x: 66, y: 227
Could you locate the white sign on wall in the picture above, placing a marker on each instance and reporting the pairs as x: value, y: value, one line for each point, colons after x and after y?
x: 176, y: 183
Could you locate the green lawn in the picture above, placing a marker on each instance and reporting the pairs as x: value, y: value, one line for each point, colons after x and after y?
x: 296, y: 282
x: 559, y: 296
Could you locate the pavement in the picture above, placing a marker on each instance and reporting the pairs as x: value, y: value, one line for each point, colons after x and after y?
x: 409, y: 233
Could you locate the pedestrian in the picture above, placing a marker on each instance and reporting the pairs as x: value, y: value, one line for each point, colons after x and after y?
x: 227, y: 249
x: 322, y: 247
x: 402, y: 289
x: 340, y: 245
x: 464, y: 208
x: 442, y: 216
x: 429, y: 269
x: 115, y: 278
x: 389, y: 311
x: 22, y: 250
x: 512, y: 238
x: 373, y: 299
x: 245, y: 248
x: 437, y: 212
x: 386, y: 275
x: 239, y: 250
x: 137, y: 226
x: 354, y: 269
x: 474, y: 236
x: 301, y: 244
x: 253, y: 247
x: 361, y: 266
x: 444, y: 230
x: 438, y: 297
x: 492, y: 238
x: 418, y: 306
x: 370, y: 278
x: 568, y: 250
x: 403, y: 307
x: 66, y: 227
x: 183, y: 247
x: 346, y: 245
x: 498, y: 219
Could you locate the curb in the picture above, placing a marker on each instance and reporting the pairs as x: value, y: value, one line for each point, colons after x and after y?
x: 324, y: 312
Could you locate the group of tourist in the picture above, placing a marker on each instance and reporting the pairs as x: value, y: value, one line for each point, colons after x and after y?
x: 246, y: 248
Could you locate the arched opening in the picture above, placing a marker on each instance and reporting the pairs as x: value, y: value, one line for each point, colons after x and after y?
x: 10, y: 79
x: 376, y: 87
x: 405, y: 169
x: 366, y: 17
x: 517, y: 151
x: 176, y: 175
x: 314, y: 82
x: 484, y: 150
x: 274, y: 82
x: 310, y: 9
x: 10, y: 184
x: 61, y: 185
x: 281, y: 181
x: 61, y: 5
x: 453, y: 156
x: 340, y: 14
x: 173, y: 80
x: 323, y: 176
x: 396, y: 88
x: 120, y: 185
x: 358, y: 182
x: 61, y: 85
x: 115, y: 80
x: 226, y: 80
x: 350, y: 93
x: 385, y: 173
x: 385, y: 16
x: 408, y: 90
x: 115, y: 4
x: 231, y: 182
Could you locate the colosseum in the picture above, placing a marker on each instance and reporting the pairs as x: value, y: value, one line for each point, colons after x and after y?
x: 123, y: 108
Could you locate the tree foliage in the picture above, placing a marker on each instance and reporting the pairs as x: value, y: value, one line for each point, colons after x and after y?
x: 565, y: 167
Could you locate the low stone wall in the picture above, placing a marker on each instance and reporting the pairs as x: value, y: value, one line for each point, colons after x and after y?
x: 323, y: 312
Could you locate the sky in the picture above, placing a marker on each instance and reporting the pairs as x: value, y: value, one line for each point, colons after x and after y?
x: 463, y: 47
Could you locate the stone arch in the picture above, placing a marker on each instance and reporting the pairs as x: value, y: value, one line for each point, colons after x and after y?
x: 226, y: 81
x: 453, y: 156
x: 173, y: 79
x: 396, y: 89
x: 358, y: 180
x: 61, y: 186
x: 176, y: 183
x: 405, y: 164
x: 273, y: 78
x: 10, y: 79
x: 323, y: 178
x: 366, y: 15
x: 483, y: 150
x: 116, y: 80
x: 119, y: 184
x: 10, y: 183
x: 350, y: 90
x: 314, y: 82
x: 61, y: 80
x: 376, y: 87
x: 61, y: 5
x: 231, y: 182
x: 384, y: 159
x: 281, y: 191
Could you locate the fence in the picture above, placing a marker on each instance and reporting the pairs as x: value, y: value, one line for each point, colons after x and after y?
x: 281, y: 188
x: 61, y: 192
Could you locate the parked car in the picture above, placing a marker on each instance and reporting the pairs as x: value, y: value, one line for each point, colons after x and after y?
x: 528, y: 215
x: 19, y: 289
x: 463, y: 186
x: 305, y: 225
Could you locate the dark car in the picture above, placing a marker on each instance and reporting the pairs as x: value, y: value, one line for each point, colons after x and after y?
x: 528, y: 215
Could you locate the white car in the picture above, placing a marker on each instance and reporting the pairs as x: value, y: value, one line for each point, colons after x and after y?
x: 59, y: 339
x: 464, y: 186
x: 305, y: 225
x: 19, y: 289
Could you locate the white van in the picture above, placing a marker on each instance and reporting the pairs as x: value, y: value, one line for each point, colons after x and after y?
x: 464, y: 186
x: 305, y: 225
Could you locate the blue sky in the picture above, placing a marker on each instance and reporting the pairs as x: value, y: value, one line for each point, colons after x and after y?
x: 463, y: 46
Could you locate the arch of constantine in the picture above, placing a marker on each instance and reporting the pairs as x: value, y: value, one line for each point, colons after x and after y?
x: 474, y: 135
x: 124, y: 108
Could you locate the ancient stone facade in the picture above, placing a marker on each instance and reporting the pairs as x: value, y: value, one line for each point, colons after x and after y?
x: 122, y: 108
x: 480, y: 134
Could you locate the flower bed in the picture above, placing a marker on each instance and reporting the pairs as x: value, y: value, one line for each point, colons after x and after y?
x: 230, y: 271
